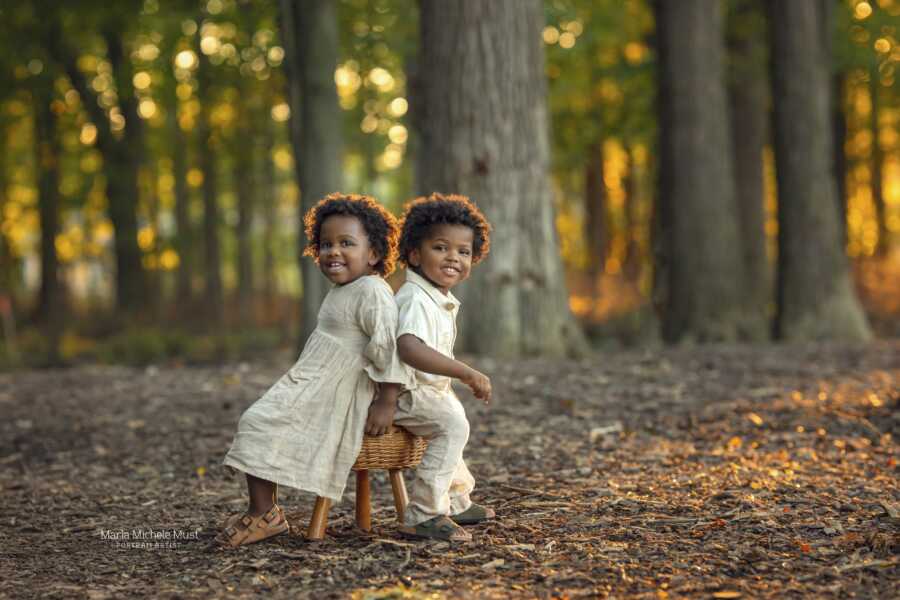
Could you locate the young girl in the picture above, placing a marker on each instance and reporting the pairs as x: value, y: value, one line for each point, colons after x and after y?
x: 306, y: 431
x: 441, y: 238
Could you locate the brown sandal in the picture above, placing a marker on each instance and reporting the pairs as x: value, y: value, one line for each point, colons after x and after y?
x: 241, y: 530
x: 438, y: 528
x: 476, y: 513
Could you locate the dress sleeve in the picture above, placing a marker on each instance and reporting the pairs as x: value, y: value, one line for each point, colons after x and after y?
x: 378, y: 318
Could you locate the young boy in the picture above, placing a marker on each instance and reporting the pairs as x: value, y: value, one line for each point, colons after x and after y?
x: 441, y: 238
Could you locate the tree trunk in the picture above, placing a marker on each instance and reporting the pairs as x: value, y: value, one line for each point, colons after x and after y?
x: 121, y: 157
x: 837, y: 81
x: 749, y: 98
x: 839, y: 153
x: 243, y: 174
x: 699, y: 206
x: 633, y: 201
x: 47, y: 147
x: 485, y: 133
x: 311, y: 40
x: 877, y: 167
x: 213, y: 300
x: 122, y: 190
x: 183, y: 236
x: 815, y: 295
x: 267, y: 191
x: 595, y: 210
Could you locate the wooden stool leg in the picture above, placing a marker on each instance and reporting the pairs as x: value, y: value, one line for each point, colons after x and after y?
x: 319, y: 519
x: 363, y: 501
x: 401, y: 499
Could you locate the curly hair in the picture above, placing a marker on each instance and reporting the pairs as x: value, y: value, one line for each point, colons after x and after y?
x: 420, y: 215
x: 380, y: 225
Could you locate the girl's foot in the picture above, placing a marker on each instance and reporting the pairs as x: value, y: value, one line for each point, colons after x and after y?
x: 438, y: 528
x: 474, y: 514
x: 241, y: 530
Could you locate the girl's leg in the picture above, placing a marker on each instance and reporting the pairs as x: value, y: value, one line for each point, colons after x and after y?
x: 262, y: 495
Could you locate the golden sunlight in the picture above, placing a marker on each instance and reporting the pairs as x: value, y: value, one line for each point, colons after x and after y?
x: 281, y: 112
x: 88, y: 134
x: 398, y: 107
x: 186, y: 59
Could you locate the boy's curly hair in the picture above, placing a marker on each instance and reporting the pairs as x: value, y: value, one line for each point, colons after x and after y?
x: 380, y: 225
x: 420, y: 215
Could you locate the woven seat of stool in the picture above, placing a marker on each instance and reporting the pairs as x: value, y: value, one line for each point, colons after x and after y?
x: 396, y: 449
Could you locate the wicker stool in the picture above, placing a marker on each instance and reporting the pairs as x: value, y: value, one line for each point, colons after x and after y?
x: 394, y: 451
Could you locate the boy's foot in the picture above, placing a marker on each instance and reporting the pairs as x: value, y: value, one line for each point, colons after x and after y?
x: 474, y: 514
x: 438, y: 528
x: 241, y: 530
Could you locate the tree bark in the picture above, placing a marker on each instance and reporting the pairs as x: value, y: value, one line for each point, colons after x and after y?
x: 309, y: 28
x: 209, y: 142
x: 749, y: 100
x: 47, y: 147
x: 698, y: 220
x: 815, y: 295
x: 595, y: 210
x: 485, y: 132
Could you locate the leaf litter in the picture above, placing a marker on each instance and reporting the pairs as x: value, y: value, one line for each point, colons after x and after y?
x: 717, y: 472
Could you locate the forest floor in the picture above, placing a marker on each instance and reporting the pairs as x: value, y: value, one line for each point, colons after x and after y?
x: 708, y: 472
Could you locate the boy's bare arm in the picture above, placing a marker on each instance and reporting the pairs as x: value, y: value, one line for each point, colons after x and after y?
x: 421, y: 357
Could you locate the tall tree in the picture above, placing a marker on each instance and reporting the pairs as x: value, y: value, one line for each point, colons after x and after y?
x: 877, y: 164
x: 209, y: 143
x: 837, y: 74
x: 485, y: 132
x: 47, y: 162
x: 243, y: 175
x: 698, y: 220
x: 814, y: 291
x: 748, y: 96
x: 121, y: 152
x: 595, y: 221
x: 309, y: 29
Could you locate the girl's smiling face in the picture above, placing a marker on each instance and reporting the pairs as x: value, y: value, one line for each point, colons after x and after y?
x: 445, y: 256
x: 345, y: 254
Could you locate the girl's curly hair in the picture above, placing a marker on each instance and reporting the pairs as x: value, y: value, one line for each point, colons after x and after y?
x: 380, y: 225
x: 420, y: 215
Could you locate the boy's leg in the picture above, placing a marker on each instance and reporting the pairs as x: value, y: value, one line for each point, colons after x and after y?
x: 441, y: 420
x: 460, y: 488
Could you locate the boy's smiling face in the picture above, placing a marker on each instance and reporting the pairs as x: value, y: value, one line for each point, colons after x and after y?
x: 345, y: 254
x: 445, y: 255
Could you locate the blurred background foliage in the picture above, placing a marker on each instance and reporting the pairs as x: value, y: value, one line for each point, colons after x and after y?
x: 189, y: 99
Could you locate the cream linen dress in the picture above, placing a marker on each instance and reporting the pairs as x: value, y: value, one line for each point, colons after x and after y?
x: 307, y: 430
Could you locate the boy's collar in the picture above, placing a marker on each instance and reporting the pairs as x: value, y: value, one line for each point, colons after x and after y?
x: 450, y: 302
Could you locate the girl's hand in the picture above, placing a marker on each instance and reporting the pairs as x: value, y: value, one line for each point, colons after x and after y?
x: 381, y: 416
x: 479, y: 383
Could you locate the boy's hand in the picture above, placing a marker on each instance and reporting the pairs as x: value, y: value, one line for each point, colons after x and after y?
x: 381, y: 415
x: 479, y: 383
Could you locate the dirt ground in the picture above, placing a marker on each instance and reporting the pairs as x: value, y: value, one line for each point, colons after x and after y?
x: 713, y: 472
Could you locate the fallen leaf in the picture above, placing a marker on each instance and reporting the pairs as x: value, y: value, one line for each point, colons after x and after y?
x: 489, y: 566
